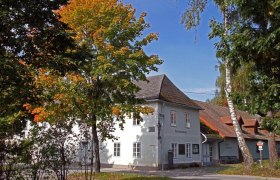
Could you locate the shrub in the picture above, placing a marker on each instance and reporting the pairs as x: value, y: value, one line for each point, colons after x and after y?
x: 277, y: 164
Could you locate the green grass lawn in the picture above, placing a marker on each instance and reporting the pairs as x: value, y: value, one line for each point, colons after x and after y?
x: 117, y: 176
x: 238, y: 169
x: 228, y: 169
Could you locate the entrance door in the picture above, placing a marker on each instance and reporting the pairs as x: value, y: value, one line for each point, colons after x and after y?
x: 207, y: 154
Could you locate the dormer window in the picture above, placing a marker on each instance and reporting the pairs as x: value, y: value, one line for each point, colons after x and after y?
x: 227, y: 120
x: 173, y: 118
x: 251, y: 125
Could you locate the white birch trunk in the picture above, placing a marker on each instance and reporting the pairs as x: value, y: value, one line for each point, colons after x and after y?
x: 248, y: 159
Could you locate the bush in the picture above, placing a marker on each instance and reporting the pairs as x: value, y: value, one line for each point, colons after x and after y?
x: 277, y: 164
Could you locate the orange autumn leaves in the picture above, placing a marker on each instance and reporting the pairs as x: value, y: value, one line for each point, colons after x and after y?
x: 39, y: 113
x: 60, y: 96
x: 110, y: 26
x: 110, y: 34
x: 52, y: 95
x: 91, y: 18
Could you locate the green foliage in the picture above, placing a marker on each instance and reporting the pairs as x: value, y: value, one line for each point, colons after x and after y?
x: 100, y: 92
x: 191, y: 16
x: 52, y: 148
x: 31, y: 31
x: 272, y: 124
x: 277, y: 164
x: 253, y: 46
x: 31, y: 37
x: 102, y: 87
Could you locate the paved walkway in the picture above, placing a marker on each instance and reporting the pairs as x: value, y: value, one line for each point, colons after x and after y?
x: 189, y: 173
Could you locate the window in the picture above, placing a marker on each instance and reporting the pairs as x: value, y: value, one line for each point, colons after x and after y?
x: 151, y: 129
x: 211, y: 153
x: 173, y: 118
x: 174, y: 150
x: 188, y: 150
x: 137, y: 150
x: 117, y: 149
x: 136, y: 122
x: 188, y: 122
x: 182, y: 149
x: 195, y: 149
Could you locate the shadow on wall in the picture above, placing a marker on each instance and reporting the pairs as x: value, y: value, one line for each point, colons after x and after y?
x: 105, y: 156
x: 84, y: 156
x: 145, y: 148
x: 137, y: 145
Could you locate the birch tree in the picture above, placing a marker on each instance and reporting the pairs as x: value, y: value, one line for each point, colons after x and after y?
x: 254, y: 42
x: 221, y: 30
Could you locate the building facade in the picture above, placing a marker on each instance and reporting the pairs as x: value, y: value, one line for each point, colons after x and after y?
x: 170, y: 136
x: 221, y: 143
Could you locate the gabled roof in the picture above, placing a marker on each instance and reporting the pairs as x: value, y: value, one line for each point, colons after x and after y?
x: 217, y: 118
x: 161, y: 88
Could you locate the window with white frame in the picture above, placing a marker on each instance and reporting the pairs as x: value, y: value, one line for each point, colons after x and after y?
x: 137, y: 150
x: 188, y: 121
x: 188, y: 150
x: 136, y: 122
x: 174, y: 150
x: 117, y: 149
x: 173, y: 118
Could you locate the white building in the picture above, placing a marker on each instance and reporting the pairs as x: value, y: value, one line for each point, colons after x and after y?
x: 173, y: 127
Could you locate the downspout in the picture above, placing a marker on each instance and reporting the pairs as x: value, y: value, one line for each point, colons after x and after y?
x: 219, y: 151
x: 161, y: 138
x: 205, y: 138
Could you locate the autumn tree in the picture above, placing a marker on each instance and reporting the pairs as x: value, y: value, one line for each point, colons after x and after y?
x: 31, y: 37
x: 102, y: 88
x: 223, y: 31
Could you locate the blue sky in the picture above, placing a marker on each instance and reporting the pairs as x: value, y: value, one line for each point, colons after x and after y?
x: 189, y: 56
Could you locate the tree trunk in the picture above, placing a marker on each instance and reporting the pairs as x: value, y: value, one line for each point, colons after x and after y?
x: 248, y: 159
x: 95, y: 142
x: 273, y: 156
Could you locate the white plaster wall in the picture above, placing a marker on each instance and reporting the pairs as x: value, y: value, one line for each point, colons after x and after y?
x: 130, y: 134
x: 180, y: 134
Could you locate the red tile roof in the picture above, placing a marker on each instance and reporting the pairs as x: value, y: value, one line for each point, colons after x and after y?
x: 251, y: 123
x: 227, y: 120
x: 217, y: 118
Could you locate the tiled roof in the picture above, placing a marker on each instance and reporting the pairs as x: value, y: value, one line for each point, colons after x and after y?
x: 217, y: 118
x: 227, y: 119
x: 251, y: 123
x: 160, y: 87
